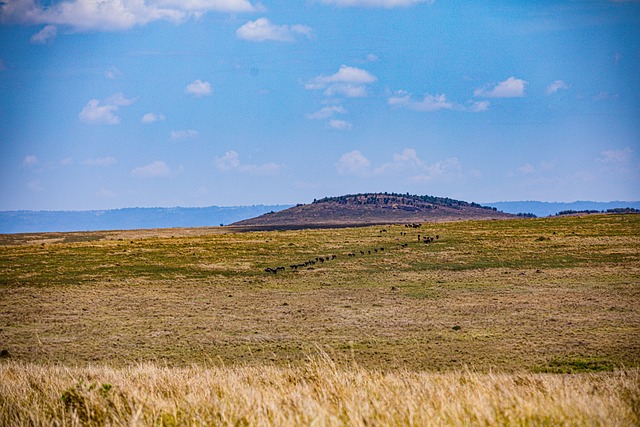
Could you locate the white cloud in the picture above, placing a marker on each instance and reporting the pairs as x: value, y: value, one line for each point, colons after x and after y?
x: 447, y: 170
x: 350, y: 82
x: 615, y: 156
x: 209, y: 5
x: 405, y: 162
x: 101, y: 161
x: 29, y: 161
x: 198, y: 88
x: 177, y: 135
x: 353, y: 163
x: 152, y: 117
x: 45, y: 36
x: 263, y: 30
x: 375, y: 3
x: 113, y: 15
x: 152, y: 170
x: 371, y: 57
x: 68, y: 161
x: 112, y: 73
x: 556, y: 86
x: 327, y: 112
x: 347, y: 90
x: 340, y: 124
x: 510, y: 88
x: 477, y: 106
x: 346, y: 74
x: 96, y: 113
x: 428, y: 103
x: 119, y: 100
x: 231, y: 162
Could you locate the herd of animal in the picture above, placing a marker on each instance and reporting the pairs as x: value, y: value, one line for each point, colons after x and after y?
x: 326, y: 258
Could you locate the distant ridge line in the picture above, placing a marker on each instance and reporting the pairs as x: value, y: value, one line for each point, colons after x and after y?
x: 374, y: 209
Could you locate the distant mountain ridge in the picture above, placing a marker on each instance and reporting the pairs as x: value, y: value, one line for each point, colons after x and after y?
x: 127, y: 218
x: 373, y: 208
x: 542, y: 209
x: 355, y: 209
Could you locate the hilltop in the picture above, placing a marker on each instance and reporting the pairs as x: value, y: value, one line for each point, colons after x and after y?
x: 373, y: 208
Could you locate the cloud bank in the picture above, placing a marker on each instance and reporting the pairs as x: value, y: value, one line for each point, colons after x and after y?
x: 112, y: 15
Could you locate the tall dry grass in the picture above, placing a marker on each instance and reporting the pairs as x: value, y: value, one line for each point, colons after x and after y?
x: 318, y: 393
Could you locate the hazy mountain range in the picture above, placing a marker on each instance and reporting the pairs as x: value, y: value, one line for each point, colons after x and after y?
x: 128, y: 219
x: 552, y: 208
x: 139, y: 218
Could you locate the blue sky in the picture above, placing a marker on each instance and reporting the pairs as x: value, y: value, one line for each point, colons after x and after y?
x: 124, y: 103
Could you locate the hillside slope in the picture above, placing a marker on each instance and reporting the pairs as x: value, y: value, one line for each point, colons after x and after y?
x: 373, y: 208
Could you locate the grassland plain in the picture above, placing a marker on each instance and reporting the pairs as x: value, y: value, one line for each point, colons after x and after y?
x: 523, y: 298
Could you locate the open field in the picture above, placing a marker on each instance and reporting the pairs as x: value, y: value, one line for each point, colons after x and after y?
x: 517, y: 295
x: 487, y: 303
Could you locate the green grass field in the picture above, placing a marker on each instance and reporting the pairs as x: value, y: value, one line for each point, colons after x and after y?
x: 516, y: 297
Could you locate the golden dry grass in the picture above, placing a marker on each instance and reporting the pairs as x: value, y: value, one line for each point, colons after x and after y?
x: 317, y: 393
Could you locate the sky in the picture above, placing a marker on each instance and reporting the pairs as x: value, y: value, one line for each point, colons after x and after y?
x: 158, y: 103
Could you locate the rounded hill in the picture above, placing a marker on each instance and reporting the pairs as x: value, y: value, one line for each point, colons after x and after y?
x: 372, y: 208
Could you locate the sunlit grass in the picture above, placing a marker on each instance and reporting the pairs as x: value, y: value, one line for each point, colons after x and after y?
x: 315, y: 393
